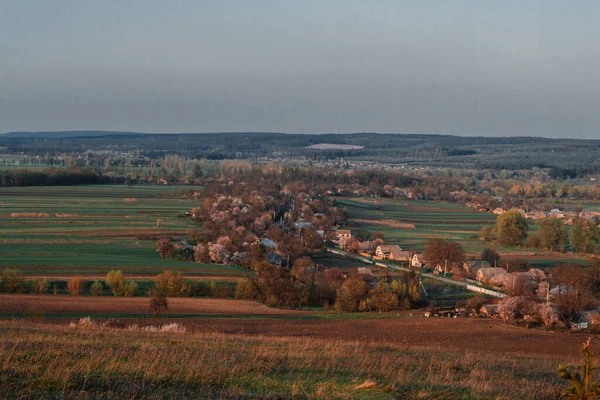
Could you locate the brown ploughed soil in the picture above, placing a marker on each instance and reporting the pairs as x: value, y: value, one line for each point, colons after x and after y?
x: 250, y: 318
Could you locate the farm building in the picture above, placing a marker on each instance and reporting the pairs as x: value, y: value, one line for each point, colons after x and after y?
x: 491, y: 275
x: 391, y: 252
x: 473, y: 266
x: 418, y: 261
x: 489, y: 309
x: 342, y: 237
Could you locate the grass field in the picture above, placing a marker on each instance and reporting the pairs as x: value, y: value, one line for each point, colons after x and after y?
x: 276, y: 358
x: 440, y: 220
x: 89, y: 230
x: 428, y: 219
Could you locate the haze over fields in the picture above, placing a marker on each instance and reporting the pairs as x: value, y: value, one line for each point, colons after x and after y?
x: 464, y: 67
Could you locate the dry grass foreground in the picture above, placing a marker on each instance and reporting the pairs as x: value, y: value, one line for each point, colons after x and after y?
x: 55, y: 361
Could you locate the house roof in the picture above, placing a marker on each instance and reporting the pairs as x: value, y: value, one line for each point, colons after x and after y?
x: 394, y: 251
x: 476, y: 265
x: 344, y: 232
x: 489, y: 308
x: 491, y: 272
x: 268, y: 243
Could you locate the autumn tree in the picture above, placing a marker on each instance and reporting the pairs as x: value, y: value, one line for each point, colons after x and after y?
x: 158, y: 301
x: 574, y: 294
x: 171, y: 284
x: 438, y: 252
x: 12, y: 280
x: 96, y: 288
x: 75, y: 286
x: 119, y: 286
x: 511, y: 228
x: 349, y: 295
x: 487, y: 233
x: 490, y: 255
x: 116, y: 282
x: 39, y: 286
x: 584, y: 236
x: 165, y: 248
x: 550, y: 235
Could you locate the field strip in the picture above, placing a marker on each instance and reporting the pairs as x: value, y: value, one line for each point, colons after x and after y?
x: 64, y: 304
x: 385, y: 222
x: 135, y: 277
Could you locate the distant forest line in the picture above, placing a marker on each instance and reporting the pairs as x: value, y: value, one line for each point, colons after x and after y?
x: 565, y: 158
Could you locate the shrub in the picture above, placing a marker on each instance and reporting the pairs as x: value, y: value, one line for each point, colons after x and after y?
x: 12, y: 281
x: 97, y: 288
x: 130, y: 289
x: 172, y: 284
x: 475, y: 303
x: 582, y: 385
x: 115, y: 280
x: 75, y: 286
x: 39, y: 286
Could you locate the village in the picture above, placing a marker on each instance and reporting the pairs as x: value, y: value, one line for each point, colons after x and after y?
x: 511, y: 295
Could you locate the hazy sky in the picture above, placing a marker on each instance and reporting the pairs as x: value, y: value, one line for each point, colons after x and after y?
x: 462, y: 67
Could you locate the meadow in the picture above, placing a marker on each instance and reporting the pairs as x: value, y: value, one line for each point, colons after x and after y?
x: 89, y: 230
x: 410, y: 223
x: 86, y: 361
x: 422, y: 220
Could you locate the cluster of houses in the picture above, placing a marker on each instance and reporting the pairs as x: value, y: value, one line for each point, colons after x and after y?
x: 567, y: 216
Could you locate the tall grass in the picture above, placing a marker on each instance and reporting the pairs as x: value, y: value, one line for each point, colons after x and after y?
x: 56, y: 361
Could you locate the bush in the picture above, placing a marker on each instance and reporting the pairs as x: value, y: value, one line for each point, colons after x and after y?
x: 172, y: 284
x: 116, y: 282
x: 130, y: 289
x: 75, y: 286
x: 475, y: 303
x: 119, y: 286
x: 350, y: 294
x: 39, y: 286
x: 97, y: 288
x: 12, y: 281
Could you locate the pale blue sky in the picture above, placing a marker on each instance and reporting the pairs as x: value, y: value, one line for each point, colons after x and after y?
x: 465, y: 67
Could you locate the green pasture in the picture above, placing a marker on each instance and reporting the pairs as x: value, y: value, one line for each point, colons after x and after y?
x: 102, y: 230
x: 431, y: 220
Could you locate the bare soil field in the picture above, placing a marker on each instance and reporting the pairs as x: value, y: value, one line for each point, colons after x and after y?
x: 135, y: 277
x: 456, y: 334
x: 50, y: 304
x: 244, y: 317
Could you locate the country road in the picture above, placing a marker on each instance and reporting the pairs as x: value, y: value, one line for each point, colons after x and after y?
x: 466, y: 285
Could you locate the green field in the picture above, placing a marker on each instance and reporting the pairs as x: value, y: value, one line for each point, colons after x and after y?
x: 430, y: 219
x: 92, y: 229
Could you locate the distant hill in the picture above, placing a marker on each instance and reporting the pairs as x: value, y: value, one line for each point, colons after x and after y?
x: 64, y: 134
x: 565, y: 157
